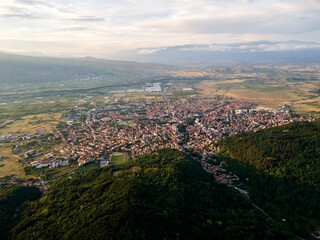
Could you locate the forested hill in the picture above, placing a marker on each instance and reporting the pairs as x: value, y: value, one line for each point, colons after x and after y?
x: 291, y: 151
x: 164, y: 195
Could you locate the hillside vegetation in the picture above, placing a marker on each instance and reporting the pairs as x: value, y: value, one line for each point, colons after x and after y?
x: 164, y: 195
x: 280, y: 169
x: 291, y: 151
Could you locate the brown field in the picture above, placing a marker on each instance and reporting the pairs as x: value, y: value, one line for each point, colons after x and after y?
x: 212, y: 84
x: 309, y: 106
x: 190, y: 74
x: 270, y: 96
x: 31, y: 124
x: 230, y: 81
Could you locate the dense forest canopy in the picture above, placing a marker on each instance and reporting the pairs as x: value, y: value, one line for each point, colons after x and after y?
x: 291, y: 151
x: 280, y: 168
x: 164, y: 195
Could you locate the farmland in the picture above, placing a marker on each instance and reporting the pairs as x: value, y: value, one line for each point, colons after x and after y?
x: 10, y: 166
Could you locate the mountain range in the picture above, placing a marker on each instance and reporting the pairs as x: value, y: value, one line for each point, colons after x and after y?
x: 22, y: 69
x: 251, y: 53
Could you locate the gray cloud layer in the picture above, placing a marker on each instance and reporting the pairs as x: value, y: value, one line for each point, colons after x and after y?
x: 99, y: 26
x: 245, y: 25
x: 18, y: 15
x: 86, y: 19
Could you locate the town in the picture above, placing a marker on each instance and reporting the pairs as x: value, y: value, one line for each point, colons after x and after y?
x: 190, y: 125
x: 140, y: 128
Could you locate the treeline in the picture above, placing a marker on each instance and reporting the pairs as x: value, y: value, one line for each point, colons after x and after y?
x: 291, y: 151
x: 163, y: 195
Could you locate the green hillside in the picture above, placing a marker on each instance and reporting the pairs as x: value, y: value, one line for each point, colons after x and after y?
x: 280, y: 167
x: 291, y: 151
x: 164, y: 195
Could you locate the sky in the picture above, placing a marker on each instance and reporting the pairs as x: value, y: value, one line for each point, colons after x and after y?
x: 100, y: 28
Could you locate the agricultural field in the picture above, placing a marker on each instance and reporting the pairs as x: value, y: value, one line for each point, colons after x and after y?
x: 9, y: 165
x: 249, y: 91
x: 269, y: 90
x: 32, y: 124
x: 309, y: 106
x: 17, y: 107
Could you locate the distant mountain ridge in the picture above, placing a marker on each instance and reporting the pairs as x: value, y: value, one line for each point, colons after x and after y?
x: 22, y: 69
x: 260, y: 52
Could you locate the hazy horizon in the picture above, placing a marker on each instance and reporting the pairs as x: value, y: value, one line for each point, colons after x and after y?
x: 102, y: 28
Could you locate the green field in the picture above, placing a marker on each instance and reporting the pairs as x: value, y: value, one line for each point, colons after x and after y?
x: 118, y: 158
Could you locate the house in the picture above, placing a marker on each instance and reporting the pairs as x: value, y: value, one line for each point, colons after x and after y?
x: 44, y: 163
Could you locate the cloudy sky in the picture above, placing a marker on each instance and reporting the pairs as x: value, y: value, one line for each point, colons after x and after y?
x: 102, y: 27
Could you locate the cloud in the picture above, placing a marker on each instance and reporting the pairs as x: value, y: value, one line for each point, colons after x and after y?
x: 147, y: 51
x: 278, y: 18
x: 22, y: 16
x: 34, y: 2
x: 237, y: 47
x: 212, y: 1
x: 288, y: 46
x: 47, y: 4
x: 210, y: 48
x: 76, y: 29
x: 99, y: 24
x: 14, y: 9
x: 10, y: 11
x: 87, y: 19
x: 31, y: 9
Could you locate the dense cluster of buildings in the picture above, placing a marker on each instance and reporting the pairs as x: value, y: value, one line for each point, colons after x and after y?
x: 219, y: 172
x: 14, y: 138
x: 50, y: 162
x: 140, y: 128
